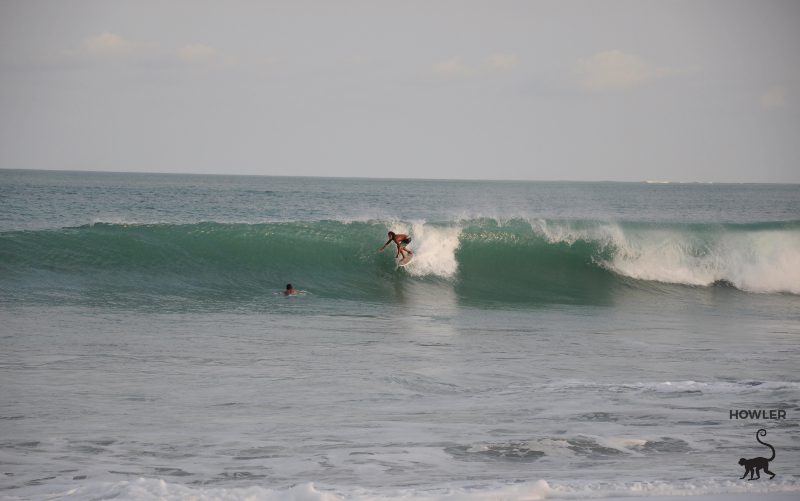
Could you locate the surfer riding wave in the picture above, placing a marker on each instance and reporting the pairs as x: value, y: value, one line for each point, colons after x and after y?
x: 401, y: 241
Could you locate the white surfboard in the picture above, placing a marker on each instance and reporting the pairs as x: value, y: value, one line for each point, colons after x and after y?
x: 405, y: 260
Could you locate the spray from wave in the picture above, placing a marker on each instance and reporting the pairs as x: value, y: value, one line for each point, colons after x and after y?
x: 435, y: 252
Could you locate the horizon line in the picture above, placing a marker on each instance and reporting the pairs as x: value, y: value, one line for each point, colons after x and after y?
x: 643, y: 181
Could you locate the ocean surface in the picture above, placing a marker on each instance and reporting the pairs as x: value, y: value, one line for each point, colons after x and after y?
x: 549, y: 340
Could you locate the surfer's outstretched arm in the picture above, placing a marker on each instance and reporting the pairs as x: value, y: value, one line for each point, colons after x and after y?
x: 384, y: 245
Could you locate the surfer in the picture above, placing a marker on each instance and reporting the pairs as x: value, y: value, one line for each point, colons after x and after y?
x: 290, y: 291
x: 401, y: 241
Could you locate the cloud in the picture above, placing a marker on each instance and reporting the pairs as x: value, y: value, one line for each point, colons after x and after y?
x: 615, y: 70
x: 110, y: 44
x: 773, y: 98
x: 503, y: 62
x: 358, y: 60
x: 455, y: 67
x: 110, y: 47
x: 201, y: 54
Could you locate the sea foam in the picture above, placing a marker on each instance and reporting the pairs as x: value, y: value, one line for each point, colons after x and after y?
x: 435, y: 252
x: 147, y: 489
x: 751, y: 259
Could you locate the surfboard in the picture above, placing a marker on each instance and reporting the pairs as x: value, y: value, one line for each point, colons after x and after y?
x: 405, y: 260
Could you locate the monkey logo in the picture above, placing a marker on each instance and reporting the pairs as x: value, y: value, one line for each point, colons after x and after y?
x: 755, y: 465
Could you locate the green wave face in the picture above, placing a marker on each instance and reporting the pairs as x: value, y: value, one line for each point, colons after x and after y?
x: 480, y: 261
x: 205, y: 260
x: 517, y: 265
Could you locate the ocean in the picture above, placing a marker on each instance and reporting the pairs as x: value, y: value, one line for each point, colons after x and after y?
x: 550, y: 340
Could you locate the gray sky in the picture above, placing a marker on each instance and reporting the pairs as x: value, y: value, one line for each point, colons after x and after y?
x: 596, y: 90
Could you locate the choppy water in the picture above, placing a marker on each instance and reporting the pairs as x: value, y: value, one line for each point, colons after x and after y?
x: 549, y: 339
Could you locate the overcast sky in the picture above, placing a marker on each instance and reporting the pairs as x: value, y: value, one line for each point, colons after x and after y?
x: 596, y: 90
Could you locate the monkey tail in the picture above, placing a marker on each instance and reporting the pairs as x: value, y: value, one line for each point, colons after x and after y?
x: 762, y: 432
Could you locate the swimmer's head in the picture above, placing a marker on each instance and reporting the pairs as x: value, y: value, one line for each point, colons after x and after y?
x: 391, y: 234
x: 288, y: 287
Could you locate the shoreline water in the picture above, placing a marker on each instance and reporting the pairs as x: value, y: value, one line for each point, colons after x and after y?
x: 152, y: 489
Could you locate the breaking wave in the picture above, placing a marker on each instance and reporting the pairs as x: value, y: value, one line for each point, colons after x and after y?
x: 529, y: 260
